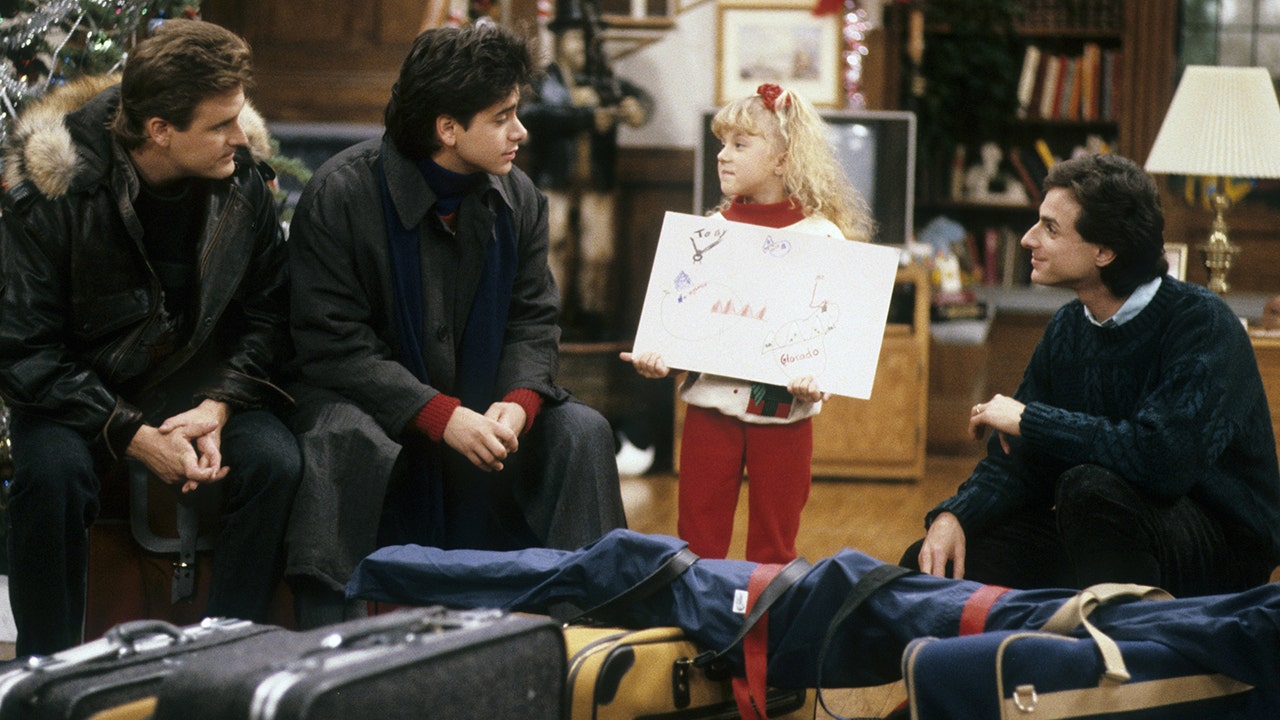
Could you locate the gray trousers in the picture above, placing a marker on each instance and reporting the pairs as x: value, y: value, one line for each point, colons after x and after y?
x: 567, y: 486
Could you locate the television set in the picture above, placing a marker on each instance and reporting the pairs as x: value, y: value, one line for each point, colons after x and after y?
x: 877, y: 149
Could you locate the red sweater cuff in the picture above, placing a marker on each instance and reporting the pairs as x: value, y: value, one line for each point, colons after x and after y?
x: 434, y: 416
x: 527, y: 399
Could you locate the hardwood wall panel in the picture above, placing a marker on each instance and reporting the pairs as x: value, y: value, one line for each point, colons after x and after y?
x: 400, y: 21
x: 330, y: 60
x: 652, y: 182
x: 295, y: 26
x: 322, y: 60
x: 1148, y: 66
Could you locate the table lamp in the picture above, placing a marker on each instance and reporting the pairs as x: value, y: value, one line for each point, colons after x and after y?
x: 1223, y: 122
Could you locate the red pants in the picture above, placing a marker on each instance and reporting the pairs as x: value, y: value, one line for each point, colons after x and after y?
x: 713, y: 451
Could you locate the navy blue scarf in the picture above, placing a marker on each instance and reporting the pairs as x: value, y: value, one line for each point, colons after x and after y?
x: 421, y: 515
x: 486, y: 328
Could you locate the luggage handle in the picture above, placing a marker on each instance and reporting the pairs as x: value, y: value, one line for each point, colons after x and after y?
x: 429, y: 619
x: 1075, y: 613
x: 672, y: 568
x: 866, y: 586
x: 183, y: 547
x: 127, y: 635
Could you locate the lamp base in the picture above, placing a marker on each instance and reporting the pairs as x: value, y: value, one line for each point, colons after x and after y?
x: 1218, y: 258
x: 1219, y: 252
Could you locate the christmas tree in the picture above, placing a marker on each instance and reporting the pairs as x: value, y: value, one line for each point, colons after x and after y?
x: 48, y: 42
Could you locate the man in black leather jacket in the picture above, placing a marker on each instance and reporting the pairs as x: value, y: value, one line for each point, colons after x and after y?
x: 143, y: 310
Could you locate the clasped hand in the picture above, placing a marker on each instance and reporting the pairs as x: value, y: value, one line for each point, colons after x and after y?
x: 186, y: 448
x: 628, y: 111
x: 486, y: 440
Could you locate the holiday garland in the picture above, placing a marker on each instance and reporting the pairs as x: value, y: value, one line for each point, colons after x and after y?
x: 48, y: 42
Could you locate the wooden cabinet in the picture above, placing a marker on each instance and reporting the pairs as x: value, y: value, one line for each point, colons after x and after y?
x: 1268, y: 351
x: 883, y: 437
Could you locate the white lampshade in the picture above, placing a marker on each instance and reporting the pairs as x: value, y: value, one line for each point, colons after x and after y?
x: 1222, y: 121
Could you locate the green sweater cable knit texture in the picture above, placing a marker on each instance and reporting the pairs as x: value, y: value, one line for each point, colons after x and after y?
x: 1171, y: 400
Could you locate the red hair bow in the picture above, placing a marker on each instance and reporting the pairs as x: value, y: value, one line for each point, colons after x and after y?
x: 770, y: 93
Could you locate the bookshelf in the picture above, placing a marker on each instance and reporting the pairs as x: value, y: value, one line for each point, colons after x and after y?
x: 1059, y: 75
x: 1141, y: 34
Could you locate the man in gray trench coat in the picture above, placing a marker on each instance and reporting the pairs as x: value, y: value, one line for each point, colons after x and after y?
x: 425, y: 323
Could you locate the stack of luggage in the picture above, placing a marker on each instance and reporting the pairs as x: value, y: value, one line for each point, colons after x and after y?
x: 408, y: 664
x: 966, y: 650
x: 635, y: 626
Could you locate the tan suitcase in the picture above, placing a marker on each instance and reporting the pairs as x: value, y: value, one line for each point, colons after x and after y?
x: 615, y: 673
x: 137, y: 710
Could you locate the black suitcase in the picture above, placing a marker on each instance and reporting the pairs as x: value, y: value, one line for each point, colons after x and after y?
x: 128, y: 663
x: 414, y: 664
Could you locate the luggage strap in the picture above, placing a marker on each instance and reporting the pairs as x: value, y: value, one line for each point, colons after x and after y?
x: 875, y: 579
x: 749, y: 691
x: 1075, y: 613
x: 185, y: 546
x: 672, y: 568
x: 768, y: 583
x: 973, y: 618
x: 782, y: 577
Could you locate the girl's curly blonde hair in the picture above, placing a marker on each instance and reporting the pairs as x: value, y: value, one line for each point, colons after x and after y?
x: 812, y: 175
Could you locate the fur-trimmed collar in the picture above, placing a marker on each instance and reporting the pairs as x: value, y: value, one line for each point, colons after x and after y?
x: 42, y: 149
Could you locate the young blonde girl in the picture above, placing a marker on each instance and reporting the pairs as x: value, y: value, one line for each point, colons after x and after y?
x: 776, y: 169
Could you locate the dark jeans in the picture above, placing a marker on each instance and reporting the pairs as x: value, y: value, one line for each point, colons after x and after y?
x: 1102, y: 529
x: 54, y: 499
x: 560, y: 490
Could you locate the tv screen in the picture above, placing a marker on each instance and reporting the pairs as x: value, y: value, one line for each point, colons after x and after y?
x: 877, y: 149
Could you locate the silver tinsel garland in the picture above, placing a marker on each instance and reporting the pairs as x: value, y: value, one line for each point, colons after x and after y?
x: 45, y: 30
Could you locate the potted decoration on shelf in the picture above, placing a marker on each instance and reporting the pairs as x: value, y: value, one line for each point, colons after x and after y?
x: 963, y: 87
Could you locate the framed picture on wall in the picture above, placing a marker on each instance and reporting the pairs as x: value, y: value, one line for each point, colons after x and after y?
x: 783, y: 44
x: 1176, y: 254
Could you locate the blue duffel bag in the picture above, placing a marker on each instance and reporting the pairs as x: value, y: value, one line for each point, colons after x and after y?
x: 817, y: 637
x: 1049, y: 674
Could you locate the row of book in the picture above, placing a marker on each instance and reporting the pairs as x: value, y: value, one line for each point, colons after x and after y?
x: 1072, y: 15
x: 1030, y: 165
x: 1056, y: 86
x: 997, y: 258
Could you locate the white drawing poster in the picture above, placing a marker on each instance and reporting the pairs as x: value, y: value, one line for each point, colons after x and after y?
x: 767, y: 305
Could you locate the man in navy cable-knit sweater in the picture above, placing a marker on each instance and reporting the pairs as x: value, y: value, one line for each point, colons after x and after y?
x: 1138, y: 447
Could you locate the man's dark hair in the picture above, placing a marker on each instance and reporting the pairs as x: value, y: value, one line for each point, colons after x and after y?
x: 456, y: 72
x: 1119, y: 209
x: 167, y: 75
